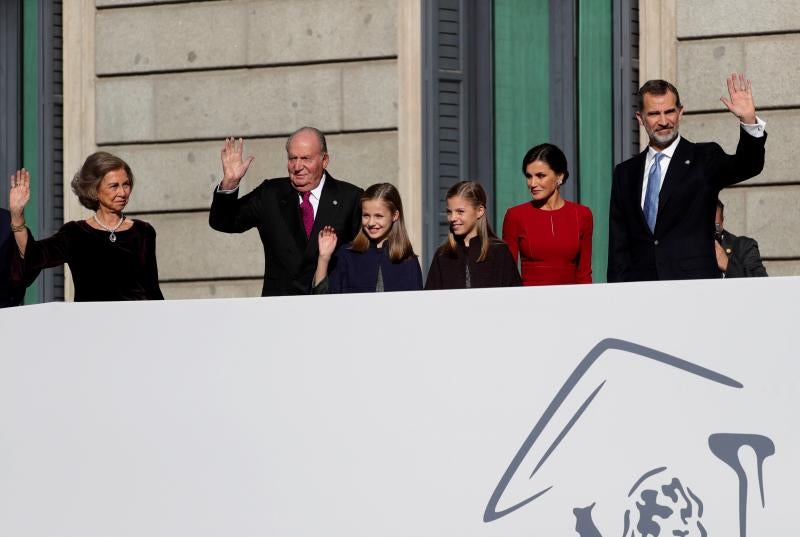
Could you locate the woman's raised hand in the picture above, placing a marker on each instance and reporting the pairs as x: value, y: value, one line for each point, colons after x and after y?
x: 20, y: 193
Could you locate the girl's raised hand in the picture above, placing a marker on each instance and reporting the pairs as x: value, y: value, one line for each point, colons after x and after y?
x: 327, y: 241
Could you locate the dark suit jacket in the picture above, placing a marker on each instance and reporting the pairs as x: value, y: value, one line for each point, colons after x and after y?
x: 10, y: 293
x: 744, y: 259
x: 274, y: 209
x: 682, y: 245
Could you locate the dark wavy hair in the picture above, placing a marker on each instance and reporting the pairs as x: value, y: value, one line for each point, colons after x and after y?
x: 549, y: 154
x: 85, y: 183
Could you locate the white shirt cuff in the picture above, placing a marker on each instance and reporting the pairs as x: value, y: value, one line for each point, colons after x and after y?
x: 231, y: 191
x: 756, y: 130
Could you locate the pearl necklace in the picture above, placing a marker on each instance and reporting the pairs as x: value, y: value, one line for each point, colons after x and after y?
x: 113, y: 236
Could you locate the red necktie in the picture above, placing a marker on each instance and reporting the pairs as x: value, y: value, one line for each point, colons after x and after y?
x: 307, y: 211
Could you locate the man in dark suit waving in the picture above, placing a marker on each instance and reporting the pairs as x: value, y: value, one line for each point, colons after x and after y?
x: 663, y: 200
x: 288, y: 212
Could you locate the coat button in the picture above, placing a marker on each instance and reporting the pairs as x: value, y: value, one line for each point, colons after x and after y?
x: 655, y: 242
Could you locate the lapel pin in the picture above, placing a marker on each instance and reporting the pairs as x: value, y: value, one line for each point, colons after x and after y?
x: 335, y: 202
x: 688, y: 162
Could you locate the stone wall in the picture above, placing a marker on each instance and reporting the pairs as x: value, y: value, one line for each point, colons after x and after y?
x: 762, y: 39
x: 172, y: 80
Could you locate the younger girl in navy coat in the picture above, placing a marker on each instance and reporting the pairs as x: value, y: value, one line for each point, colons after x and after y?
x: 380, y: 258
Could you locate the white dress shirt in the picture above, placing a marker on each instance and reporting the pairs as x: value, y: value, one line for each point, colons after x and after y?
x: 313, y: 198
x: 315, y: 195
x: 755, y: 130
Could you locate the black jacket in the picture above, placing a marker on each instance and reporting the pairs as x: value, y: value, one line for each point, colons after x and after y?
x: 681, y: 247
x: 744, y: 259
x: 273, y: 208
x: 450, y: 271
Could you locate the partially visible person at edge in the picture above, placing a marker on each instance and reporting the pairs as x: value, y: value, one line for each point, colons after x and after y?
x: 737, y: 256
x: 380, y: 258
x: 551, y: 236
x: 111, y: 256
x: 662, y: 200
x: 289, y: 212
x: 10, y: 294
x: 472, y: 255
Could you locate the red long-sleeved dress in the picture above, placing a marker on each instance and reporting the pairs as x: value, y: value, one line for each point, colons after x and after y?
x: 555, y: 246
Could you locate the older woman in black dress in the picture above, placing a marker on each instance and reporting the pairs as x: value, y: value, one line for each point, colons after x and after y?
x: 111, y: 256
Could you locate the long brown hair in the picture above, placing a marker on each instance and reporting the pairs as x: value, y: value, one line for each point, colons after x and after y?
x: 475, y: 195
x: 398, y: 242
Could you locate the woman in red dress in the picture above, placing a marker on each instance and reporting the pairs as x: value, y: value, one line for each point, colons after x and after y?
x: 552, y: 236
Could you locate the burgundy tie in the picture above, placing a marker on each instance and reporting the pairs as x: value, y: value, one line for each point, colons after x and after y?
x: 308, y: 213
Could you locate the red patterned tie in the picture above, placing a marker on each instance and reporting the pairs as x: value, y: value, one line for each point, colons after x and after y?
x: 308, y: 213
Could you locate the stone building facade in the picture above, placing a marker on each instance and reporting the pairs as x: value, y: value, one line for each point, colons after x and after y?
x: 697, y: 44
x: 163, y: 83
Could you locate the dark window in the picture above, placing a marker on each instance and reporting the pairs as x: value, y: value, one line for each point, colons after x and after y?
x: 48, y: 139
x: 10, y: 93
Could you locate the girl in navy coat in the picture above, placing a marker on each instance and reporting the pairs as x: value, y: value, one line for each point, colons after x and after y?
x: 472, y: 255
x: 380, y: 258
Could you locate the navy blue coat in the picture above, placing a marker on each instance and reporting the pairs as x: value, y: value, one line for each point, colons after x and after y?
x: 357, y: 272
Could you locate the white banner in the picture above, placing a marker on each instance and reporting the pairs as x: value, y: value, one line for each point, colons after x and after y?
x: 639, y: 409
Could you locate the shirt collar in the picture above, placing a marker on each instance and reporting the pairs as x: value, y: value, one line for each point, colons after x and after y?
x: 667, y: 152
x: 317, y: 192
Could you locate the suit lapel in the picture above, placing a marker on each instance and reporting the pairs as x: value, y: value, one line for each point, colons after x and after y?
x: 326, y: 210
x: 328, y: 205
x: 678, y: 166
x: 290, y: 209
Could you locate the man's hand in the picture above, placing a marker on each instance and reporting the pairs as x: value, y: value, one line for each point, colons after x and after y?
x: 327, y: 242
x: 722, y: 257
x: 741, y: 99
x: 233, y: 167
x: 19, y: 195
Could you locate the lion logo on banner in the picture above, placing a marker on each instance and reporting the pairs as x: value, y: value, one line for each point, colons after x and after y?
x: 660, y: 503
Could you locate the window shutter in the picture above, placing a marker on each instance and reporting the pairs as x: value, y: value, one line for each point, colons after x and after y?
x: 51, y: 154
x: 457, y: 142
x: 10, y: 94
x: 626, y: 78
